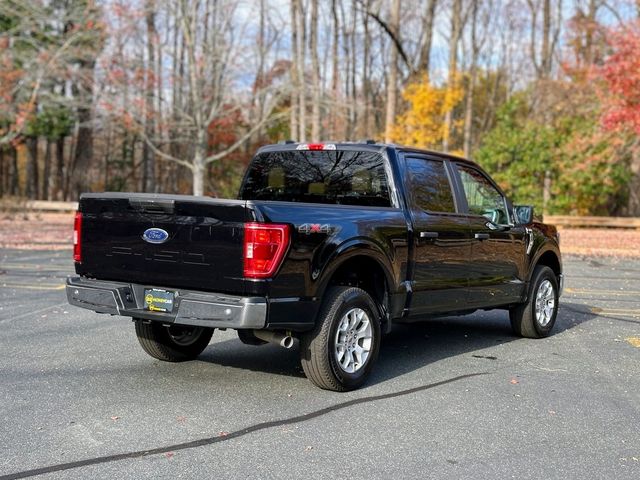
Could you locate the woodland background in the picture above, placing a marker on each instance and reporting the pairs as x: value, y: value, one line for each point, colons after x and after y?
x: 175, y: 96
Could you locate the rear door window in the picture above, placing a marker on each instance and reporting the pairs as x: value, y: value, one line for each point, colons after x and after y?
x: 318, y: 176
x: 429, y: 185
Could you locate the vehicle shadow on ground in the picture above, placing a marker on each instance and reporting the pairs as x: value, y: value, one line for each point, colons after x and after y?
x: 407, y: 348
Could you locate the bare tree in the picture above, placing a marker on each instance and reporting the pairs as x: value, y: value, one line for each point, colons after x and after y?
x: 315, y: 73
x: 542, y: 57
x: 424, y: 59
x: 454, y: 39
x: 294, y: 121
x: 473, y: 73
x: 207, y: 52
x: 148, y: 157
x: 392, y: 76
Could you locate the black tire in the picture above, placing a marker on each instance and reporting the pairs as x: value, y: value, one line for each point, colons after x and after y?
x: 175, y: 343
x: 524, y: 320
x: 318, y: 347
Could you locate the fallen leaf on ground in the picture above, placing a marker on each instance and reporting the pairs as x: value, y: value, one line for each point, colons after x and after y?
x: 514, y: 381
x: 635, y: 341
x: 115, y: 417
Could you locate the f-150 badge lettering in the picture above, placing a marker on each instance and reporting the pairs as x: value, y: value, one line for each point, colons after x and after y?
x: 155, y: 235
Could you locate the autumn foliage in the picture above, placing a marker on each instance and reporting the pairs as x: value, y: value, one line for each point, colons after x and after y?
x: 621, y: 76
x: 422, y: 124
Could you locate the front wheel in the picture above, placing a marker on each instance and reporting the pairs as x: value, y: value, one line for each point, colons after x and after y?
x: 536, y: 317
x: 174, y: 343
x: 339, y: 353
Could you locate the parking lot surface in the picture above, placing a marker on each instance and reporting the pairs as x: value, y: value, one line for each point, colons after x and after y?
x: 450, y: 398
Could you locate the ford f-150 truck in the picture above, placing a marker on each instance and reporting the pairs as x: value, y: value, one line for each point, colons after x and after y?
x: 331, y: 244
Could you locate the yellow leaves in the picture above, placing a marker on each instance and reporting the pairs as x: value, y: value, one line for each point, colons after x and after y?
x: 423, y: 125
x: 635, y: 341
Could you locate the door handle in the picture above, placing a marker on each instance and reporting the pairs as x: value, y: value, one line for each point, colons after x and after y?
x: 482, y: 236
x: 429, y: 234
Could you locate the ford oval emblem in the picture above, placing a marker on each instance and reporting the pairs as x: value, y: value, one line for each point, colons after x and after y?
x: 155, y: 235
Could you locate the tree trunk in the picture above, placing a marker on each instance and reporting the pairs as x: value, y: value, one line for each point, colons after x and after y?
x: 294, y: 128
x: 149, y: 161
x: 392, y: 77
x: 456, y: 30
x: 45, y: 192
x: 3, y: 173
x: 424, y: 61
x: 315, y: 71
x: 59, y: 174
x: 353, y: 105
x: 198, y: 172
x: 545, y: 61
x: 32, y: 168
x: 14, y: 179
x: 468, y: 109
x: 549, y: 37
x: 300, y: 51
x: 335, y: 56
x: 366, y: 82
x: 633, y: 204
x: 83, y: 155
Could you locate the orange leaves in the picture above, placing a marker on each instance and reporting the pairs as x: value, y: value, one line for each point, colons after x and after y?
x: 422, y: 125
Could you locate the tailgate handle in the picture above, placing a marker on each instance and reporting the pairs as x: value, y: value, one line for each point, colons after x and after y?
x: 482, y: 236
x: 148, y: 205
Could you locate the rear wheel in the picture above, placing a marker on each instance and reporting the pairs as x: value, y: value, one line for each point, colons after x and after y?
x: 174, y: 343
x: 536, y: 317
x: 340, y: 352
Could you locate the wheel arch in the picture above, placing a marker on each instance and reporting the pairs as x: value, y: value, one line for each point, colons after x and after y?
x: 550, y: 259
x: 360, y: 265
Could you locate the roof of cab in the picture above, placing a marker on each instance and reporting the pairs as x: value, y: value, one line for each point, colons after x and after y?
x: 367, y: 145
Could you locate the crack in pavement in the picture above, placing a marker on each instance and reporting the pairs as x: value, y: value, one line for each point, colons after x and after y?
x: 230, y: 436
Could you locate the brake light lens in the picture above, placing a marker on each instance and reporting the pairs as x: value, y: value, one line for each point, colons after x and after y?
x: 316, y: 146
x: 77, y: 238
x: 265, y: 245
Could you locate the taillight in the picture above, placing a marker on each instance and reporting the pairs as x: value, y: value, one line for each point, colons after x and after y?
x: 264, y: 247
x: 77, y: 238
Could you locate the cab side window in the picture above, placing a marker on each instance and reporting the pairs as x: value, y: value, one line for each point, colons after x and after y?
x: 482, y: 197
x: 429, y: 186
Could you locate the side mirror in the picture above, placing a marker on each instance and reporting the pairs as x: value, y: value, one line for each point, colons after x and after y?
x: 523, y: 214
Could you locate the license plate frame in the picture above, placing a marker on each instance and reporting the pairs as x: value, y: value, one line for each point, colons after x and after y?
x: 159, y: 300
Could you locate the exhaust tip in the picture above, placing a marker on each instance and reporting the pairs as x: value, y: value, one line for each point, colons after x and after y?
x: 286, y: 342
x: 280, y: 339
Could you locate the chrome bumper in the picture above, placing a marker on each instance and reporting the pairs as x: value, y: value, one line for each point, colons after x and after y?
x: 204, y: 309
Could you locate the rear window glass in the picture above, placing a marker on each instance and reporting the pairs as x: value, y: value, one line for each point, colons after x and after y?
x: 318, y: 176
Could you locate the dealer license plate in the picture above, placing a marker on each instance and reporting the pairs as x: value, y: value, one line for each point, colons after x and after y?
x: 157, y: 300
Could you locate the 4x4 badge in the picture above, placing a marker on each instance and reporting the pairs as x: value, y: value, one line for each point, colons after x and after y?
x: 309, y: 228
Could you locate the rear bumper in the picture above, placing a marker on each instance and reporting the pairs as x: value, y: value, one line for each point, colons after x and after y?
x: 204, y: 309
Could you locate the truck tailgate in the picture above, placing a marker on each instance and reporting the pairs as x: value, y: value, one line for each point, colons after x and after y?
x: 203, y: 249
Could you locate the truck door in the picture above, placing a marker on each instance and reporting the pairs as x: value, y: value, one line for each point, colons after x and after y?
x: 496, y: 268
x: 441, y: 243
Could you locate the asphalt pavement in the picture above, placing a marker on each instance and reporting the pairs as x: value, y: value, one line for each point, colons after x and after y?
x: 449, y: 398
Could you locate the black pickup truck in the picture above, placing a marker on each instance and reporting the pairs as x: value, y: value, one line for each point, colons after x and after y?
x: 327, y: 243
